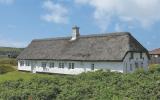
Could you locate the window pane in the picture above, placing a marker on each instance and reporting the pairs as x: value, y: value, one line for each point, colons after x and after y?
x: 141, y: 54
x: 92, y: 66
x: 130, y: 67
x: 27, y: 63
x: 132, y: 56
x: 21, y: 63
x: 51, y: 65
x: 44, y: 64
x: 72, y: 65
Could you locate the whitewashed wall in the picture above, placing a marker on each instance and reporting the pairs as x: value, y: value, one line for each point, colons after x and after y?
x: 79, y: 66
x: 127, y: 63
x: 25, y: 68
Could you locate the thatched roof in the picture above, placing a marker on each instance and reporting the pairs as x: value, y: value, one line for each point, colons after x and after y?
x: 155, y: 52
x: 101, y: 47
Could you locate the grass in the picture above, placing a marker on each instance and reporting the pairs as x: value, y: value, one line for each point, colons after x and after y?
x: 15, y: 75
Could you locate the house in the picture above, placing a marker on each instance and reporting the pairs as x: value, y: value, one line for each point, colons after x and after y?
x: 155, y: 56
x: 118, y: 51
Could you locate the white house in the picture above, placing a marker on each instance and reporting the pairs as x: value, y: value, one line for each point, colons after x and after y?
x: 118, y: 51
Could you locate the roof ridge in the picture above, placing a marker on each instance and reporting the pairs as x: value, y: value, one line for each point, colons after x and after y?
x: 86, y: 36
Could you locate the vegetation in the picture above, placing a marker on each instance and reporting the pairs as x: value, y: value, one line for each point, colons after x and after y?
x: 10, y: 52
x: 7, y: 65
x: 97, y: 85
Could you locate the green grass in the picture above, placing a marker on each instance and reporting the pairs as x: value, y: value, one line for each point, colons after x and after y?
x: 15, y: 75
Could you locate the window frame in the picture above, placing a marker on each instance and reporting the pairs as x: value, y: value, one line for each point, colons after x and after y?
x: 131, y: 68
x: 51, y: 65
x: 132, y: 55
x: 141, y: 55
x: 28, y: 63
x: 44, y: 63
x: 61, y: 65
x: 92, y: 67
x: 21, y: 63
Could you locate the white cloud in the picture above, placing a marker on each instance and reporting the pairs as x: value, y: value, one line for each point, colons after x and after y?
x: 7, y: 1
x: 142, y: 12
x: 57, y: 13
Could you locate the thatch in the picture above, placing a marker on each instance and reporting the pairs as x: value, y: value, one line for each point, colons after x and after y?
x: 102, y: 47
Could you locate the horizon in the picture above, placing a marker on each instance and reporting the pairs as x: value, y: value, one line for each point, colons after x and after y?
x: 23, y: 21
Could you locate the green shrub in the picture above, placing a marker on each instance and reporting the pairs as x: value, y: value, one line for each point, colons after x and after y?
x: 6, y: 68
x: 10, y: 61
x: 97, y: 85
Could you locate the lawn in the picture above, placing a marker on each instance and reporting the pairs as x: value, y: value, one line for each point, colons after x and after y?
x: 15, y: 75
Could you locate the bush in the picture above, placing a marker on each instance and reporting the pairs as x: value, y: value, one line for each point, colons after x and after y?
x: 10, y: 61
x: 6, y: 68
x: 97, y: 85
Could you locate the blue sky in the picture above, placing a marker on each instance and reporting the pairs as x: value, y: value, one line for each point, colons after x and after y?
x: 24, y: 20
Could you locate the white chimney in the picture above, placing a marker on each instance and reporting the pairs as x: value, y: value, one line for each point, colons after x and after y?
x: 75, y: 33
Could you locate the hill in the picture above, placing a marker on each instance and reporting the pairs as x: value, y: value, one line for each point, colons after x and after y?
x: 10, y: 52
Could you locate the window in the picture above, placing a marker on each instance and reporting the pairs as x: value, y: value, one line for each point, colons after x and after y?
x: 92, y: 66
x: 132, y: 55
x: 51, y: 65
x: 27, y: 63
x: 71, y: 66
x: 131, y: 67
x: 142, y: 65
x: 21, y: 63
x: 136, y: 65
x: 141, y: 55
x: 61, y: 65
x: 44, y: 64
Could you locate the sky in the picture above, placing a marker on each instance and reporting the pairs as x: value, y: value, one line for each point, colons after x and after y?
x: 21, y: 21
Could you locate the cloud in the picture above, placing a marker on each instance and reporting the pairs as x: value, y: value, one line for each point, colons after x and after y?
x: 142, y: 12
x: 7, y: 1
x: 57, y: 13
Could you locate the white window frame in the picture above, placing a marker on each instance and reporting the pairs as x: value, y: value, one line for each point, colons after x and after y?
x: 21, y: 62
x: 92, y: 67
x: 27, y: 62
x: 51, y: 64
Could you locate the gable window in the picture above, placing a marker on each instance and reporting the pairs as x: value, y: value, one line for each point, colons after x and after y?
x: 71, y: 66
x: 21, y: 63
x: 92, y: 66
x: 141, y: 55
x: 27, y: 63
x: 51, y: 65
x: 61, y: 65
x: 132, y: 55
x: 44, y: 64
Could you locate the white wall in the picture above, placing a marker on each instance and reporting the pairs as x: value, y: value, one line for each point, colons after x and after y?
x: 127, y: 63
x: 26, y: 68
x: 79, y: 66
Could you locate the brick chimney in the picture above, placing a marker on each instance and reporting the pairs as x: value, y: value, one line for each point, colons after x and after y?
x: 75, y: 33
